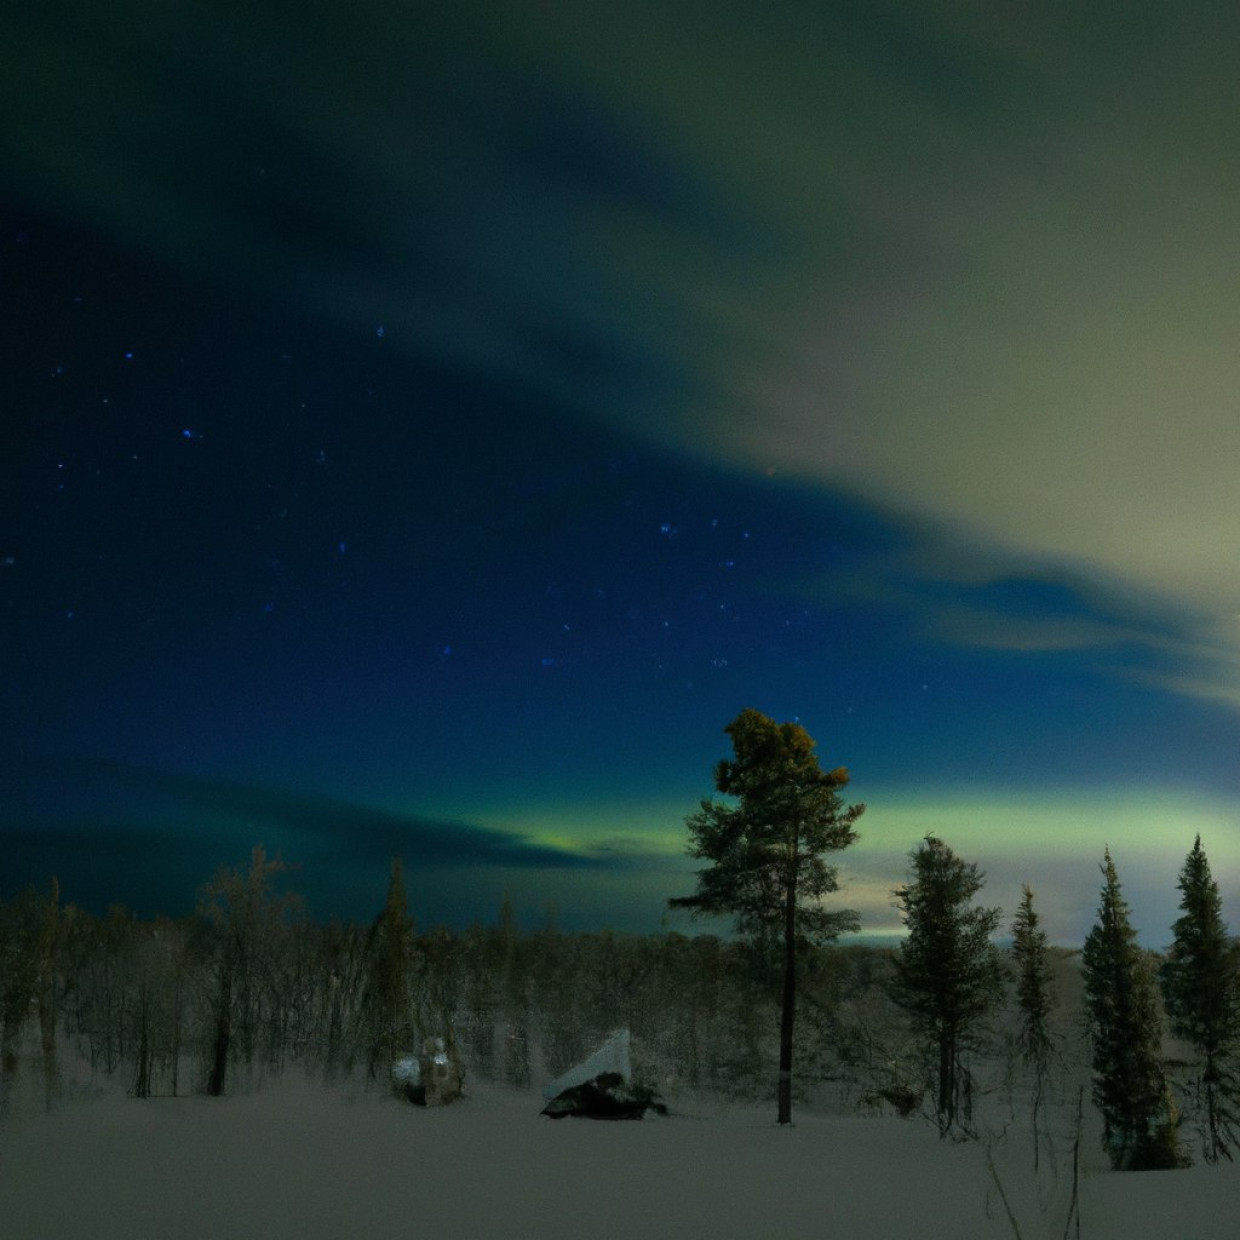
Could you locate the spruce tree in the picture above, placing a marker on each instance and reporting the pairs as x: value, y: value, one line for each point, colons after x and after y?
x: 1035, y: 1000
x: 948, y: 974
x: 1201, y: 990
x: 768, y: 853
x: 387, y: 1002
x: 1129, y: 1088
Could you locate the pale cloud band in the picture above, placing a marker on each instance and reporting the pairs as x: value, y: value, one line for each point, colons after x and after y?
x: 1055, y: 842
x: 974, y: 267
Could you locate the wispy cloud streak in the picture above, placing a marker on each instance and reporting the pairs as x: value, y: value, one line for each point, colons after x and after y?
x: 345, y: 828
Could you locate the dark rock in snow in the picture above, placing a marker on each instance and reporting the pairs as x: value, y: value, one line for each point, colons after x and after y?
x: 436, y: 1077
x: 443, y: 1077
x: 606, y: 1096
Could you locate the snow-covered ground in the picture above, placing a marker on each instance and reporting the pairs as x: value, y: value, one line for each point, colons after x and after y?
x: 310, y: 1162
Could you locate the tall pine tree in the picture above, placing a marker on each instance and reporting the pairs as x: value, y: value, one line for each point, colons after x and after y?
x: 387, y: 1000
x: 1201, y: 990
x: 1035, y: 1000
x: 1129, y: 1088
x: 948, y: 974
x: 768, y: 853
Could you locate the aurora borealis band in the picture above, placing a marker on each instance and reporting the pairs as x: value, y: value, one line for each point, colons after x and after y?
x: 431, y: 425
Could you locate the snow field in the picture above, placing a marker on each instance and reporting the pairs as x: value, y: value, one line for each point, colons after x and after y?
x: 309, y: 1162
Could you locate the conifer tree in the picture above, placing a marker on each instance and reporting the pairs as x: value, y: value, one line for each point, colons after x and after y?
x: 1129, y: 1088
x: 1201, y: 990
x: 387, y: 1003
x: 948, y: 974
x: 767, y: 853
x: 1035, y: 1001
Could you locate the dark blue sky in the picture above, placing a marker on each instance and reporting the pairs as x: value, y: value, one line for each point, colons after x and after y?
x: 429, y: 431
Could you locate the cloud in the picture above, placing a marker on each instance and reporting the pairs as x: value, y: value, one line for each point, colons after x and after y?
x: 336, y: 828
x: 1051, y: 839
x: 122, y: 842
x: 973, y: 270
x: 1047, y: 367
x: 477, y: 195
x: 991, y: 631
x: 1220, y: 683
x: 148, y: 867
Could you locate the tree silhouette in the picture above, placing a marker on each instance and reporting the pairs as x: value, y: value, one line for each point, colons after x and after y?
x: 242, y: 913
x: 767, y: 853
x: 1129, y: 1088
x: 1201, y: 990
x: 1035, y: 1001
x: 387, y: 1002
x: 948, y: 974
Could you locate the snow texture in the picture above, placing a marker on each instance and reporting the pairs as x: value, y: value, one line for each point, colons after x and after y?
x: 407, y: 1069
x: 308, y: 1162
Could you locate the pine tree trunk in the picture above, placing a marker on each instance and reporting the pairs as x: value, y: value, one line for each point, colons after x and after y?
x: 9, y: 1036
x: 1037, y: 1107
x: 223, y: 1034
x: 47, y: 994
x: 788, y: 1007
x: 947, y: 1079
x: 47, y: 1041
x: 176, y: 1033
x: 1214, y: 1137
x: 142, y: 1074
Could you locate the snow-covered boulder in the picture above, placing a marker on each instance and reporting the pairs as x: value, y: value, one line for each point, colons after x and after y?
x: 443, y: 1077
x: 612, y: 1056
x: 606, y: 1096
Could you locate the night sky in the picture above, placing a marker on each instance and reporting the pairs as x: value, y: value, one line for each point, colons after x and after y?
x: 426, y: 427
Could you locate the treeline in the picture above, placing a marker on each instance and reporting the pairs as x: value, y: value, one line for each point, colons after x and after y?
x: 768, y: 848
x: 949, y: 978
x: 247, y: 987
